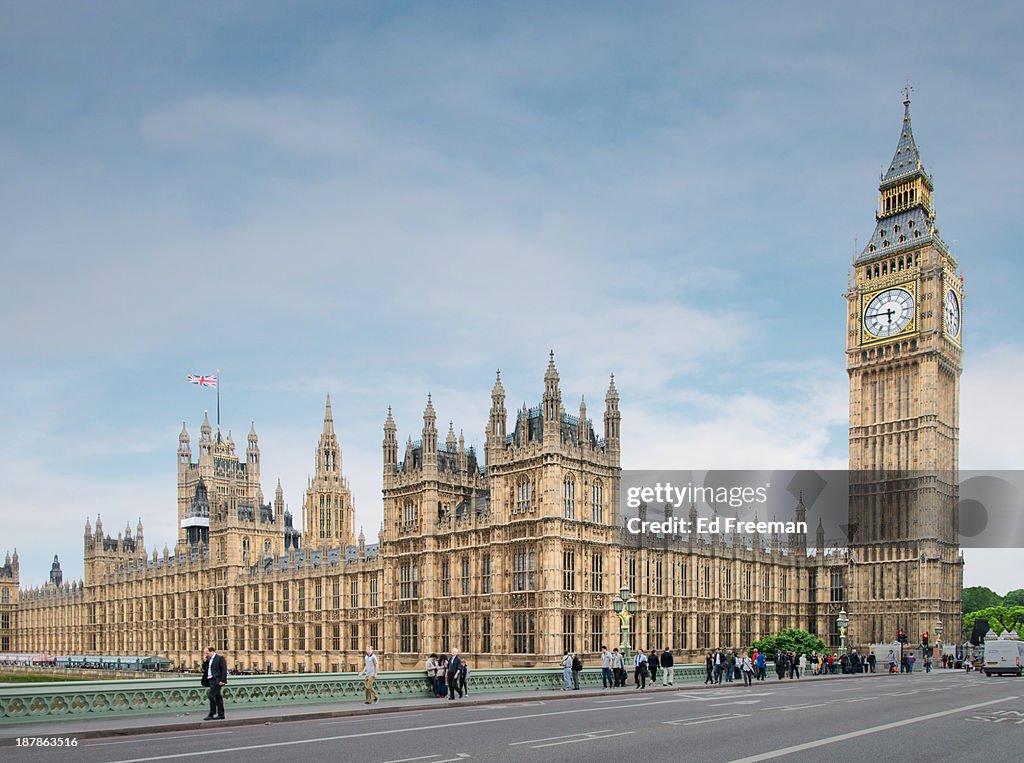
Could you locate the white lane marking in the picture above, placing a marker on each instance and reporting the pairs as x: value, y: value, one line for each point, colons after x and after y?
x: 190, y: 735
x: 737, y: 702
x: 707, y: 719
x: 384, y: 732
x: 624, y: 699
x: 787, y: 708
x: 583, y: 736
x: 587, y: 739
x: 856, y: 699
x: 863, y: 732
x: 459, y: 756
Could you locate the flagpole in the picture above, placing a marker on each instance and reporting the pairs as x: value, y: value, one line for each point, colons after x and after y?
x: 218, y: 399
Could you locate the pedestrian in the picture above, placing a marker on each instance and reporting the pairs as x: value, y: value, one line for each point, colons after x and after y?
x: 618, y: 669
x: 430, y: 666
x: 214, y: 676
x: 442, y: 672
x: 730, y: 666
x: 369, y: 672
x: 803, y: 665
x: 762, y: 665
x: 709, y: 668
x: 464, y: 677
x: 892, y: 661
x: 607, y: 681
x: 577, y: 668
x: 747, y: 669
x: 667, y: 669
x: 927, y: 664
x: 640, y: 669
x: 719, y: 665
x: 780, y: 664
x: 567, y: 670
x: 653, y: 663
x: 454, y: 675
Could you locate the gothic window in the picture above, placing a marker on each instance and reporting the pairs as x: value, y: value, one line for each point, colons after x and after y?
x: 485, y: 575
x: 568, y: 633
x: 446, y: 635
x: 410, y: 632
x: 569, y: 570
x: 523, y: 495
x: 410, y: 513
x: 408, y: 587
x: 464, y: 634
x: 373, y: 591
x: 523, y: 568
x: 446, y: 583
x: 465, y: 576
x: 597, y: 502
x: 569, y: 498
x: 354, y: 593
x: 485, y: 634
x: 596, y: 568
x: 836, y: 587
x: 523, y: 633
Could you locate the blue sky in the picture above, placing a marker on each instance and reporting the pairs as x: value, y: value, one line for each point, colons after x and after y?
x: 378, y: 200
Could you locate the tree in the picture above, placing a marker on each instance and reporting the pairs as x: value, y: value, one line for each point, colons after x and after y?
x: 1014, y: 598
x: 979, y: 597
x: 999, y: 619
x: 789, y: 640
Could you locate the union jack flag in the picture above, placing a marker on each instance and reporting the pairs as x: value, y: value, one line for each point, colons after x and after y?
x: 203, y: 381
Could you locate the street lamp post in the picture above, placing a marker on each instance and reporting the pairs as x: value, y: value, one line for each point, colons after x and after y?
x: 938, y: 637
x: 843, y: 622
x: 625, y: 607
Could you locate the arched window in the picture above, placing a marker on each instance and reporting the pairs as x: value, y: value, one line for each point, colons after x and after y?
x: 569, y: 498
x: 524, y: 493
x: 597, y: 502
x: 409, y: 515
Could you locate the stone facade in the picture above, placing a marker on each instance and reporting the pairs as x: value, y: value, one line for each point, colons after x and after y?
x: 514, y: 555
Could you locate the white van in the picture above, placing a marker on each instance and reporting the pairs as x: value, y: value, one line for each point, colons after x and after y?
x: 1003, y: 656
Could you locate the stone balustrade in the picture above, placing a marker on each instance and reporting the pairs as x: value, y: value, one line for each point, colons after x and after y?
x: 52, y: 701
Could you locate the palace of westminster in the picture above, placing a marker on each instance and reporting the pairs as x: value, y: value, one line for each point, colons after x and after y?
x: 516, y: 557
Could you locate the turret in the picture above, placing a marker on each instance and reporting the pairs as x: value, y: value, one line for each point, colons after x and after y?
x: 797, y: 541
x: 390, y: 445
x: 252, y: 453
x: 184, y: 448
x: 450, y: 441
x: 611, y: 418
x: 278, y: 502
x: 583, y: 434
x: 497, y: 422
x: 429, y: 436
x: 552, y: 403
x: 56, y: 575
x: 819, y: 539
x: 205, y: 436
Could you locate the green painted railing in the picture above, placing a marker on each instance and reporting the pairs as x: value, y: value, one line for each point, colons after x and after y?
x: 64, y: 700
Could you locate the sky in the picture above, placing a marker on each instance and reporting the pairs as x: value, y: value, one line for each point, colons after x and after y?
x: 381, y: 200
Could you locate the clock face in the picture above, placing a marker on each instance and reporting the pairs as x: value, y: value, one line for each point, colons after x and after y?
x: 951, y: 309
x: 889, y: 312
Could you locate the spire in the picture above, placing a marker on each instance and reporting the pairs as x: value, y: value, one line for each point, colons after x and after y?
x: 206, y: 429
x: 613, y: 393
x: 184, y: 433
x: 328, y: 417
x: 389, y: 422
x: 498, y: 391
x: 552, y: 401
x: 907, y: 159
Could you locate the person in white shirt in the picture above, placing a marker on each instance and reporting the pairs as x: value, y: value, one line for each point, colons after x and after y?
x: 618, y: 669
x: 606, y: 668
x: 640, y: 669
x: 567, y: 671
x: 370, y: 672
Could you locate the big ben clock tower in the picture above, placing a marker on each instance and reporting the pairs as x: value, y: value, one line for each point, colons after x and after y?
x: 904, y: 350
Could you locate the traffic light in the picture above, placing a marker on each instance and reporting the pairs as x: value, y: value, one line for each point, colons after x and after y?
x: 924, y: 639
x: 901, y: 636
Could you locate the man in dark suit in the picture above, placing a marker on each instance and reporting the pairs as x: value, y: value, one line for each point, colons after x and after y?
x: 215, y: 675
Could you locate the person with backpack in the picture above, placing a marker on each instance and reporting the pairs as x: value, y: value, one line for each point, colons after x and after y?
x: 667, y: 669
x: 567, y: 670
x: 577, y: 668
x: 640, y: 669
x: 618, y: 669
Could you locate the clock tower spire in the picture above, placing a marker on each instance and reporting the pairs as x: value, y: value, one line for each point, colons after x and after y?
x: 904, y: 356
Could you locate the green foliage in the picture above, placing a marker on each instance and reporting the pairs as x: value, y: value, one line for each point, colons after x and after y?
x: 979, y: 597
x: 999, y: 619
x: 789, y: 640
x: 1014, y: 598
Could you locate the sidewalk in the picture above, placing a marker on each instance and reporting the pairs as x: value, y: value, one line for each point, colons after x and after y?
x: 128, y: 725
